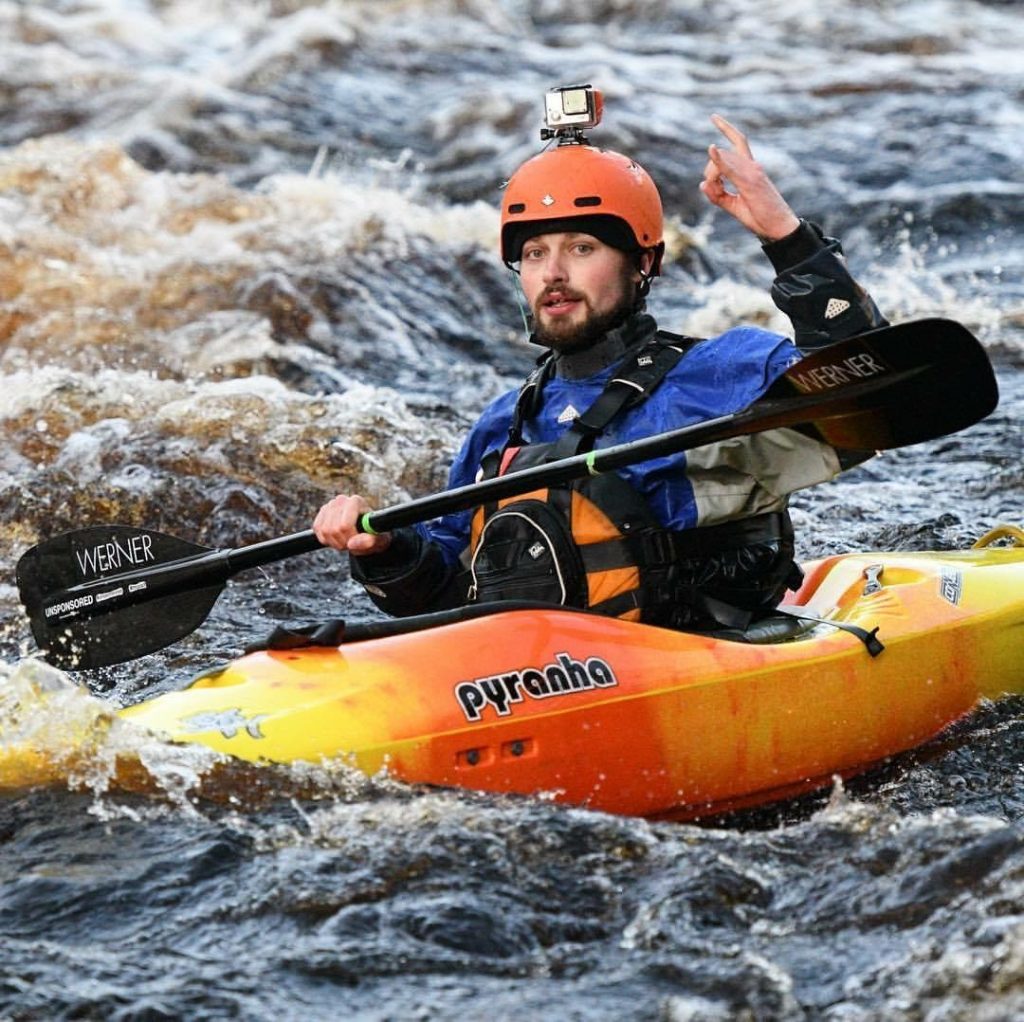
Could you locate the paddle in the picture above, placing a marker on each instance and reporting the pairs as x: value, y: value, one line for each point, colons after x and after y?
x: 104, y: 594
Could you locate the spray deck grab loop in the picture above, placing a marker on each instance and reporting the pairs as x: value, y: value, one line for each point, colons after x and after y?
x: 1014, y: 533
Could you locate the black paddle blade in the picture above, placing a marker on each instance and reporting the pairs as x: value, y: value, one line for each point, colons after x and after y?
x: 61, y: 582
x: 84, y: 643
x: 933, y: 378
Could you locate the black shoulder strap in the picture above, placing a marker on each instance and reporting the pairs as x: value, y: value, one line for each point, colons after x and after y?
x: 634, y: 382
x: 529, y: 399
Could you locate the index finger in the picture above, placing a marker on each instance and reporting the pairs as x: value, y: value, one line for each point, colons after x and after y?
x: 733, y: 134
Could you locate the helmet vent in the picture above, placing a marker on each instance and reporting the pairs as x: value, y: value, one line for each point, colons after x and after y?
x: 517, y: 207
x: 588, y: 200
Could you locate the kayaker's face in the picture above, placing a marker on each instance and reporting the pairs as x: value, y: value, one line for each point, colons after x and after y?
x: 577, y: 287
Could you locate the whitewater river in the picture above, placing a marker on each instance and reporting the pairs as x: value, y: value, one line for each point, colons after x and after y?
x: 247, y: 259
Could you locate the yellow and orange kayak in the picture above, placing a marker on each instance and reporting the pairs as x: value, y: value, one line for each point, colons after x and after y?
x: 630, y: 718
x: 626, y: 717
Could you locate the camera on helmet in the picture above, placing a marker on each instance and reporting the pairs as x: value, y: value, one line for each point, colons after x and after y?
x: 570, y: 109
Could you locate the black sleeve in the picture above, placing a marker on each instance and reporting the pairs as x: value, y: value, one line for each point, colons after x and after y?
x: 410, y: 577
x: 815, y: 290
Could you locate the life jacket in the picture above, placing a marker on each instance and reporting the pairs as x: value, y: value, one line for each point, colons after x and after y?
x: 592, y: 543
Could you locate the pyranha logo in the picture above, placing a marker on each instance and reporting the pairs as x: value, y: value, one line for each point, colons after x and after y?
x: 562, y: 677
x: 228, y: 722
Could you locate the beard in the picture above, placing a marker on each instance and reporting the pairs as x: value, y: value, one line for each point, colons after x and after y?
x: 577, y: 336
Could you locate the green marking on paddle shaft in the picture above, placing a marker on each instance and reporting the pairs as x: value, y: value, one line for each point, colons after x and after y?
x: 590, y: 464
x: 365, y: 526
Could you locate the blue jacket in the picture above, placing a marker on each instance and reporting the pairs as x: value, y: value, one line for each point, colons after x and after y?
x: 717, y: 376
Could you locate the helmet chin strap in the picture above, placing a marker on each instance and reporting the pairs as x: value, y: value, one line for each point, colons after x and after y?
x: 520, y: 297
x: 643, y: 287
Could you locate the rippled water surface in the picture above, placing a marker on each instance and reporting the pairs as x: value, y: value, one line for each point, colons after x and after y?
x: 246, y: 260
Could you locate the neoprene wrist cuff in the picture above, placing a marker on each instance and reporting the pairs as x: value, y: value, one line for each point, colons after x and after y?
x: 404, y: 549
x: 807, y: 240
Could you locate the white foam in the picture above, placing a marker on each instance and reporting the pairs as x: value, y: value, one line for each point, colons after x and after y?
x: 45, y: 716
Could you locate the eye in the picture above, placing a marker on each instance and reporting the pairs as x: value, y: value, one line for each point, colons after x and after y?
x: 583, y: 248
x: 532, y: 252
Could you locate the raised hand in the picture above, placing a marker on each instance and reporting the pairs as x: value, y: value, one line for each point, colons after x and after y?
x: 754, y: 200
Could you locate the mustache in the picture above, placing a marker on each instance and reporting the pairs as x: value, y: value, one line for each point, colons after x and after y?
x: 561, y: 292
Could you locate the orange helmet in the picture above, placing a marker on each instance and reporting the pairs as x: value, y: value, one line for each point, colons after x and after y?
x: 578, y: 187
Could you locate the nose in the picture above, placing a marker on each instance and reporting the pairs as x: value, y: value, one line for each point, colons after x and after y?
x: 554, y: 269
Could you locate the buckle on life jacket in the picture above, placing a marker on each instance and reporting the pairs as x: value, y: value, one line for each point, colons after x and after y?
x: 658, y: 546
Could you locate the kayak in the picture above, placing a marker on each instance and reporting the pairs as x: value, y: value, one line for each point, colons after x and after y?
x: 628, y: 718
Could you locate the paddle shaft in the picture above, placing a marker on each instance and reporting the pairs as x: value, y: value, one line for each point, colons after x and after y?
x: 217, y: 566
x: 763, y: 415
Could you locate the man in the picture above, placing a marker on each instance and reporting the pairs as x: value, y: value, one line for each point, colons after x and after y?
x: 697, y: 540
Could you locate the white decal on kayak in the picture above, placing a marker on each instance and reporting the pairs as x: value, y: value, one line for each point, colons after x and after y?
x: 562, y: 677
x: 856, y: 367
x: 951, y: 585
x: 118, y: 553
x: 871, y: 573
x: 228, y: 722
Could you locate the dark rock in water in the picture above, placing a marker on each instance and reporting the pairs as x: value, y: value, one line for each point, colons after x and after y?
x: 941, y: 533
